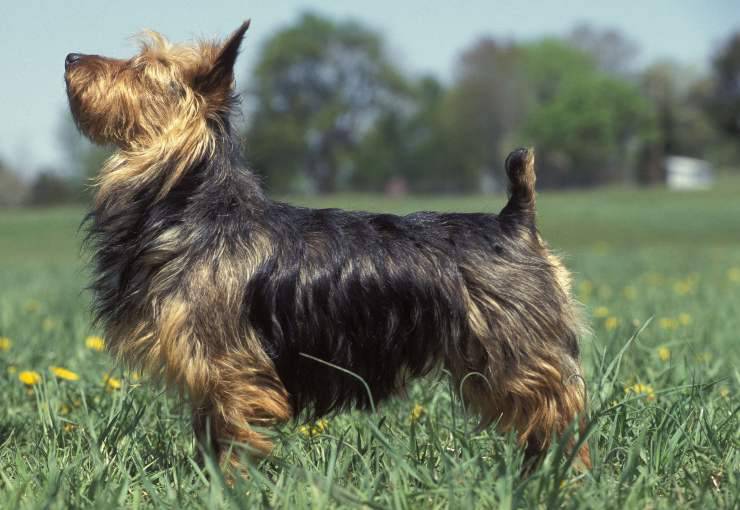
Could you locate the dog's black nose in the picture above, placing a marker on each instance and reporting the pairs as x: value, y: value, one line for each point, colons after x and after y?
x: 71, y: 59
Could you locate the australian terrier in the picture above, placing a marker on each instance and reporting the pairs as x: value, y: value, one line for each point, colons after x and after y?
x: 247, y: 305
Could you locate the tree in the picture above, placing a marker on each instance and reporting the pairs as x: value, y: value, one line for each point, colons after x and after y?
x: 50, y: 188
x: 319, y: 87
x: 12, y: 189
x: 83, y: 159
x: 677, y: 95
x: 585, y: 124
x: 419, y: 145
x: 612, y: 52
x: 488, y: 102
x: 725, y: 103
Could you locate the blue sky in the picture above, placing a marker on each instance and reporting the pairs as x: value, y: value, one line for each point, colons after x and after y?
x: 424, y: 36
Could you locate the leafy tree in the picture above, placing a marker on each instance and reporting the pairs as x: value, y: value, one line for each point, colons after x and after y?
x: 83, y: 159
x: 488, y: 102
x: 610, y: 50
x: 584, y: 134
x: 50, y: 188
x: 725, y: 103
x: 12, y: 189
x: 418, y: 145
x: 677, y: 95
x: 586, y: 125
x: 320, y: 85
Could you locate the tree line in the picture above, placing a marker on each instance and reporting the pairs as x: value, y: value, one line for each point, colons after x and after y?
x: 328, y: 109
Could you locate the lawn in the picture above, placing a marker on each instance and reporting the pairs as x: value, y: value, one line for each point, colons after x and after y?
x: 658, y: 272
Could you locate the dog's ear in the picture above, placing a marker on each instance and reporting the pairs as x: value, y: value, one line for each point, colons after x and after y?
x: 221, y: 73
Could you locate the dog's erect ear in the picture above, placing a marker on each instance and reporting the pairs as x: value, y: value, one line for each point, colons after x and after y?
x: 221, y: 73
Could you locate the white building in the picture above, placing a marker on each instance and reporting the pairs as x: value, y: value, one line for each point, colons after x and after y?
x: 688, y: 173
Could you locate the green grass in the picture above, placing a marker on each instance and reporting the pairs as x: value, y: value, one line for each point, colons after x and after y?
x: 665, y: 264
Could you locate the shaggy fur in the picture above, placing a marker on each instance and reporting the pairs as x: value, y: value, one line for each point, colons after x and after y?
x: 231, y: 297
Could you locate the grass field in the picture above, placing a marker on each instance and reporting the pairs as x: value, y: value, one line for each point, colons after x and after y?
x: 665, y: 430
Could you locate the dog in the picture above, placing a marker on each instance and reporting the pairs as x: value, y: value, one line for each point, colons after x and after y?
x: 259, y: 312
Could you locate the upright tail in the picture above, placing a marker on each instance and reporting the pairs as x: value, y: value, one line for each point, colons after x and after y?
x: 521, y: 207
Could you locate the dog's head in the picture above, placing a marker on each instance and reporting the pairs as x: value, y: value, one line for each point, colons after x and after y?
x: 159, y: 92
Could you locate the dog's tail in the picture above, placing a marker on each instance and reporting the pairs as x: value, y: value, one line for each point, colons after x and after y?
x: 520, y: 208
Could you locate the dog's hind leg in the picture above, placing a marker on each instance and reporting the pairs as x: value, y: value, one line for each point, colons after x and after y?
x: 244, y: 394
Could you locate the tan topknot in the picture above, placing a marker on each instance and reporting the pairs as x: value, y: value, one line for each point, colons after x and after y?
x: 163, y: 108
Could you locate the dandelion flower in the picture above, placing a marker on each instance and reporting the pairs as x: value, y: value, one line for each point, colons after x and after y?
x: 601, y: 312
x: 33, y: 306
x: 416, y: 413
x: 29, y: 377
x: 601, y: 248
x: 667, y: 323
x: 664, y: 353
x: 5, y: 343
x: 69, y: 427
x: 314, y: 430
x: 733, y: 274
x: 111, y: 383
x: 684, y: 319
x: 630, y: 292
x: 63, y: 373
x: 641, y: 389
x: 686, y: 285
x: 724, y: 392
x: 654, y: 279
x: 95, y: 343
x: 704, y: 357
x: 611, y: 323
x: 48, y: 324
x: 585, y: 289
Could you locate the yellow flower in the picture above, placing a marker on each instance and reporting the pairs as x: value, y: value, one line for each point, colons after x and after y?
x: 611, y: 323
x: 111, y: 383
x: 601, y: 248
x: 601, y: 312
x: 585, y: 289
x: 664, y: 353
x: 630, y: 292
x: 641, y: 389
x: 654, y: 279
x: 69, y: 427
x: 733, y: 274
x: 605, y: 292
x: 586, y: 286
x: 724, y: 392
x: 667, y: 323
x: 314, y: 430
x: 29, y: 377
x: 704, y: 357
x: 5, y: 343
x: 416, y: 413
x: 684, y: 319
x: 95, y: 343
x: 48, y: 324
x: 687, y: 285
x: 65, y: 374
x: 33, y: 306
